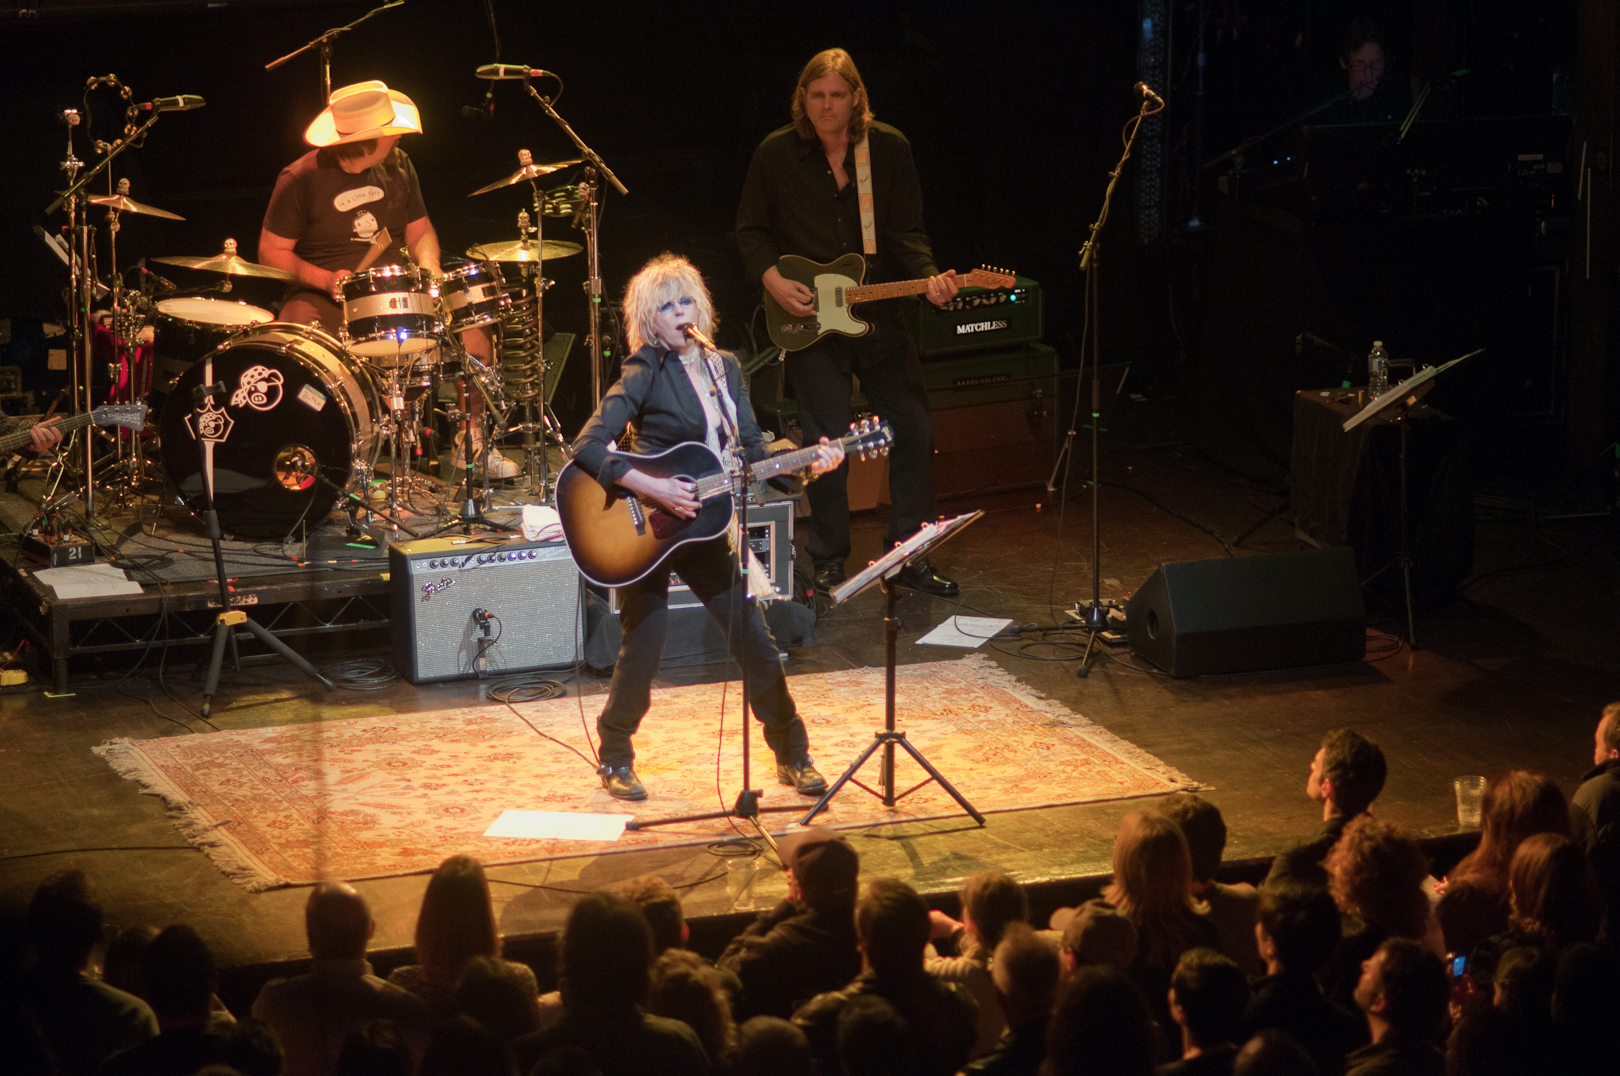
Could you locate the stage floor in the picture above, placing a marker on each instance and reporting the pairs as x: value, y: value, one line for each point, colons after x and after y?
x: 1513, y: 675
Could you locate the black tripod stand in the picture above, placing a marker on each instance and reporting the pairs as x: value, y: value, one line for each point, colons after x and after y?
x: 211, y: 425
x: 884, y: 571
x: 471, y: 518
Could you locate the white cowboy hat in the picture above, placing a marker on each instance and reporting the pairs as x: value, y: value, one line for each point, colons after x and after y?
x: 364, y: 110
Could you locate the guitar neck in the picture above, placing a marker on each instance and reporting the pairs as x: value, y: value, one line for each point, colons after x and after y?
x: 766, y: 469
x: 11, y: 442
x: 865, y: 293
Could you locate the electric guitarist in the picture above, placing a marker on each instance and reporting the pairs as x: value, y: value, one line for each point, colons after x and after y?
x: 804, y: 196
x: 41, y: 435
x: 670, y: 392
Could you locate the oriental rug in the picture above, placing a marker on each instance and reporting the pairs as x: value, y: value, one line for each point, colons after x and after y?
x: 397, y: 793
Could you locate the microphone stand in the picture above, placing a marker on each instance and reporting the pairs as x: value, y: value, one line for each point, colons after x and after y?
x: 324, y: 43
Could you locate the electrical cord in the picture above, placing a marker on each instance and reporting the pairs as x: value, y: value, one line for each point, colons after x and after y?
x: 362, y: 674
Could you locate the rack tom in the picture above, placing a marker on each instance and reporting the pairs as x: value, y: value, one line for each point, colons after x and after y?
x: 391, y: 311
x: 475, y: 295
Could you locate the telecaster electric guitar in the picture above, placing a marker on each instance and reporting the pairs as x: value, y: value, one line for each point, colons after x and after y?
x: 838, y: 287
x: 616, y: 539
x: 129, y: 416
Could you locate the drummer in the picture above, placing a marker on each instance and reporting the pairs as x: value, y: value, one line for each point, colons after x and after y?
x: 332, y: 202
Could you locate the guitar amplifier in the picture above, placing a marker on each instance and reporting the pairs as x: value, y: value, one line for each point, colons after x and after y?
x: 464, y: 606
x: 976, y: 318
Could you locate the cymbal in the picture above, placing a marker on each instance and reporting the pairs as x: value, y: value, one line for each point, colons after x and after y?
x: 524, y: 251
x: 125, y: 204
x: 229, y: 264
x: 528, y: 171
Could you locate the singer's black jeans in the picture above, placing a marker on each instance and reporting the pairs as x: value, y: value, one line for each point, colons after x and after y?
x: 711, y: 570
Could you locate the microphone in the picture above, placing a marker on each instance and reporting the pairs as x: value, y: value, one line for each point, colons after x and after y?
x: 696, y: 335
x: 504, y: 71
x: 485, y: 111
x: 184, y: 102
x: 1144, y: 90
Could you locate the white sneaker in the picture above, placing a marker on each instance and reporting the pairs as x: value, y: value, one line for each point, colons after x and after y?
x: 498, y: 465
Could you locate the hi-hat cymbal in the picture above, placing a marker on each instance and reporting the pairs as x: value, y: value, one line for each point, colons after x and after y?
x: 528, y: 171
x: 525, y: 251
x: 229, y: 264
x: 125, y: 204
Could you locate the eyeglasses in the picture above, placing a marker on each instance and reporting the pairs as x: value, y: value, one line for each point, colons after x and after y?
x: 1361, y: 67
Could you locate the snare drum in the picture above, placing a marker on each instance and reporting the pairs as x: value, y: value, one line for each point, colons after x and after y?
x: 475, y: 295
x: 186, y: 329
x: 391, y: 310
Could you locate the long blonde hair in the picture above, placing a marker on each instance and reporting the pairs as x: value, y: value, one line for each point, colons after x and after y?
x: 832, y: 62
x: 1152, y: 885
x: 667, y: 278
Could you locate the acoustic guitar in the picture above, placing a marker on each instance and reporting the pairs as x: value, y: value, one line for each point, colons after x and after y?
x: 129, y: 416
x: 616, y: 539
x: 838, y: 287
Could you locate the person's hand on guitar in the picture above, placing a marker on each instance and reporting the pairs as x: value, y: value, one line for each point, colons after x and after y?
x: 828, y: 459
x: 44, y: 435
x: 675, y: 496
x: 792, y: 296
x: 942, y: 288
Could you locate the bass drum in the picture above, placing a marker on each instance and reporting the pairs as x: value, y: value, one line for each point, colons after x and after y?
x: 295, y: 408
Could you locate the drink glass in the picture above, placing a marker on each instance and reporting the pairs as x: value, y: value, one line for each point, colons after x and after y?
x: 1470, y: 794
x: 740, y: 875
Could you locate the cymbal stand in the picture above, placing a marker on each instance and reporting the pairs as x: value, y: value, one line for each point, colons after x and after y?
x: 471, y: 518
x: 590, y: 215
x: 529, y: 383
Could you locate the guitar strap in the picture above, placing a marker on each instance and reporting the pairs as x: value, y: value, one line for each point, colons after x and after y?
x: 863, y: 189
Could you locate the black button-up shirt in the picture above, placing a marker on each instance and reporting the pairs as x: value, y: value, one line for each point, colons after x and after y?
x: 791, y: 204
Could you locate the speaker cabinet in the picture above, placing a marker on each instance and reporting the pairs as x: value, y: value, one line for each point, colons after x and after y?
x: 514, y: 605
x: 1244, y: 614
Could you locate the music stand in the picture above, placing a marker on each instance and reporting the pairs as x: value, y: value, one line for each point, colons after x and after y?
x: 884, y: 572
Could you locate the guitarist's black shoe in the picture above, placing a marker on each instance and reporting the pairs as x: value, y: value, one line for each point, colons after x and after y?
x: 621, y: 783
x: 802, y: 776
x: 920, y: 575
x: 829, y: 573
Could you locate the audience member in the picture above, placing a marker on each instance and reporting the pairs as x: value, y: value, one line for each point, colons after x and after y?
x: 873, y: 1039
x: 772, y: 1046
x: 498, y: 997
x: 312, y: 1014
x: 121, y: 967
x: 377, y: 1048
x: 990, y: 901
x: 1347, y: 774
x: 1553, y: 892
x: 1025, y: 974
x: 1298, y: 932
x: 1585, y: 997
x: 892, y: 928
x: 1094, y: 934
x: 456, y: 923
x: 661, y: 906
x: 83, y: 1020
x: 806, y: 944
x: 1595, y: 810
x: 687, y: 988
x: 1208, y: 997
x: 1376, y: 874
x: 1152, y: 887
x: 1100, y: 1027
x: 1273, y: 1053
x: 460, y: 1046
x: 1403, y: 993
x: 1232, y: 908
x: 1474, y: 902
x: 606, y: 957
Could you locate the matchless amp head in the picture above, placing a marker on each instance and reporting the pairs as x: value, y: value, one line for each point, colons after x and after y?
x: 977, y: 318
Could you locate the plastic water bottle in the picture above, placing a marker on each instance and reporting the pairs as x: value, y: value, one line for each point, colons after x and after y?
x: 1377, y: 370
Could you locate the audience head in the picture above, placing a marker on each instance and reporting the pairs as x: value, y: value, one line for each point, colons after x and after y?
x: 121, y: 967
x: 457, y: 921
x: 891, y: 923
x: 1404, y: 986
x: 337, y: 922
x: 499, y: 997
x: 772, y: 1046
x: 1201, y: 823
x: 375, y: 1048
x: 249, y: 1048
x: 1025, y: 971
x: 1553, y: 890
x: 606, y: 954
x: 179, y: 973
x: 1098, y: 935
x: 1348, y: 772
x: 1297, y: 926
x: 686, y: 987
x: 1607, y: 744
x: 1152, y: 883
x: 1273, y: 1052
x: 1524, y: 982
x: 460, y: 1047
x: 1208, y: 996
x: 825, y: 867
x: 1585, y: 990
x: 64, y: 919
x: 1099, y: 1025
x: 567, y: 1061
x: 1376, y: 873
x: 873, y: 1038
x: 1516, y: 805
x: 661, y: 906
x: 990, y: 901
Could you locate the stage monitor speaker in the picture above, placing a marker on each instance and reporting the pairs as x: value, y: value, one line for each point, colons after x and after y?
x: 1245, y: 614
x: 514, y: 604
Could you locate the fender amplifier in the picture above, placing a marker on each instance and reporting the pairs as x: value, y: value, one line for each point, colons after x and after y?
x: 976, y: 318
x: 462, y: 607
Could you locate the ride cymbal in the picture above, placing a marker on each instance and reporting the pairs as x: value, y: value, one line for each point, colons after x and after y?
x: 528, y: 171
x: 526, y: 251
x: 227, y: 263
x: 125, y: 204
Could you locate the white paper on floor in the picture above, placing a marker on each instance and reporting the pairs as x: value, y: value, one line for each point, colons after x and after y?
x: 968, y: 631
x: 559, y: 826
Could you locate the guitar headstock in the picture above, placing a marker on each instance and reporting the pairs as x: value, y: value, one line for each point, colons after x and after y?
x: 130, y: 416
x: 988, y: 276
x: 868, y: 438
